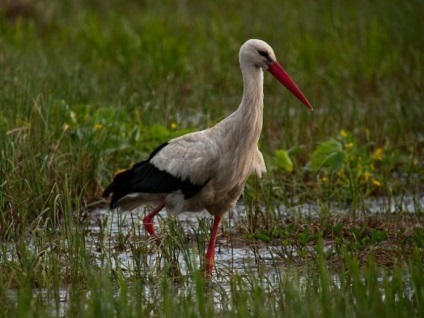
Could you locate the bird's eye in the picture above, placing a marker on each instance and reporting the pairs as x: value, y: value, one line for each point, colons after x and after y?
x: 264, y: 54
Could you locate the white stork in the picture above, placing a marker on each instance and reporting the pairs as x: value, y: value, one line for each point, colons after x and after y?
x: 206, y: 169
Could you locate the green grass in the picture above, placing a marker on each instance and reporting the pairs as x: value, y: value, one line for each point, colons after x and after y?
x: 89, y: 87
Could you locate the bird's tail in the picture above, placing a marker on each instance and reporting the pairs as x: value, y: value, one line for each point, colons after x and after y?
x: 119, y: 187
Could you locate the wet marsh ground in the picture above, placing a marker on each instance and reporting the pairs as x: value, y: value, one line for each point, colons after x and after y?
x: 333, y: 229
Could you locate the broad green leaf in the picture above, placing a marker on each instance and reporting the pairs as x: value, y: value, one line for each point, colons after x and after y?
x: 263, y: 237
x: 328, y: 155
x: 283, y: 161
x: 158, y: 132
x: 104, y: 115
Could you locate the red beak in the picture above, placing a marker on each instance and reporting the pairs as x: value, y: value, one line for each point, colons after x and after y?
x: 281, y: 75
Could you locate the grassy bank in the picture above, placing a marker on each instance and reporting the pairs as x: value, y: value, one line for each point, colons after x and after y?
x: 87, y: 88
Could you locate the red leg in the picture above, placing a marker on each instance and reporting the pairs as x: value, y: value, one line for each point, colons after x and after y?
x: 210, y: 254
x: 148, y: 221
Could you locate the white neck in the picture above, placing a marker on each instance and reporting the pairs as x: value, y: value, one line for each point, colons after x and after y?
x: 250, y: 111
x: 245, y: 124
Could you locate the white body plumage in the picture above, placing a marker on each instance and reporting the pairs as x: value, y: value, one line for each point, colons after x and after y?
x: 221, y: 157
x: 207, y: 169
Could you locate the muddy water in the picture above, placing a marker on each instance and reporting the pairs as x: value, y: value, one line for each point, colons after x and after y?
x: 105, y: 228
x: 230, y: 254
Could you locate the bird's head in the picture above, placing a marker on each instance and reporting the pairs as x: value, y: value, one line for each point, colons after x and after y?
x: 259, y: 54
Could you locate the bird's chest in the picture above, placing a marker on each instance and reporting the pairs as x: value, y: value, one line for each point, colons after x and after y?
x: 234, y: 170
x: 235, y: 161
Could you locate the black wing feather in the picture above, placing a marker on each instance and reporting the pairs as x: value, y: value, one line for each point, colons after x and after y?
x: 144, y: 177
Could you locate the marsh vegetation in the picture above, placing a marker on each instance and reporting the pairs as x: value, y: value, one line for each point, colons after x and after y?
x: 333, y: 229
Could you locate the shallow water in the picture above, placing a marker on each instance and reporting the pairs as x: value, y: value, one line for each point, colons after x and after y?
x: 106, y: 228
x: 229, y: 254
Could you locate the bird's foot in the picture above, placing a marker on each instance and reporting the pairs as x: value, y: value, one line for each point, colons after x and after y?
x: 148, y: 222
x: 155, y: 238
x: 208, y: 268
x: 148, y: 225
